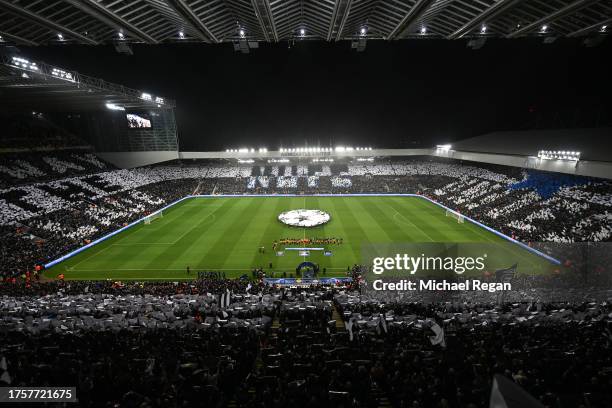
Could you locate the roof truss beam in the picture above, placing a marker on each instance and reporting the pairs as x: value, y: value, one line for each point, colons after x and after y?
x: 593, y: 27
x: 345, y: 15
x: 98, y: 11
x: 183, y: 10
x: 563, y: 12
x: 488, y: 14
x: 413, y: 15
x: 18, y: 39
x: 262, y: 8
x: 28, y: 15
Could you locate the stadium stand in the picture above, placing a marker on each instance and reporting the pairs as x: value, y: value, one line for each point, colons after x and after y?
x: 319, y: 346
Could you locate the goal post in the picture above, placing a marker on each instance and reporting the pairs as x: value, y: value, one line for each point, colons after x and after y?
x: 149, y: 218
x: 460, y: 218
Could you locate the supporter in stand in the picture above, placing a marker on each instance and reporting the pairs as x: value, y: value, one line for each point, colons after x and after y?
x: 187, y: 344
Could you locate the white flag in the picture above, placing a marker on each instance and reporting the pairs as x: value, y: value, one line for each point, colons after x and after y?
x: 439, y: 335
x: 349, y: 327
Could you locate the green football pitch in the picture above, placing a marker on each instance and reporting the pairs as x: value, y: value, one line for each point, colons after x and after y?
x: 226, y: 234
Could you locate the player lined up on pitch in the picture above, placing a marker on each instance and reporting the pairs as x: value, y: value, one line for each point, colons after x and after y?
x: 307, y: 241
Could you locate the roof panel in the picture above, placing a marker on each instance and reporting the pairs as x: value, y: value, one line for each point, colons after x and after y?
x: 154, y: 21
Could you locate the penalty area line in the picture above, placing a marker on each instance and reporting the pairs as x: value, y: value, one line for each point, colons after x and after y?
x: 406, y: 221
x: 144, y: 243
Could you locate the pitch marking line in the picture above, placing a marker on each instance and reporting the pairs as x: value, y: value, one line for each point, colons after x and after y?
x: 89, y: 257
x: 407, y: 221
x: 176, y: 269
x: 72, y: 268
x: 144, y: 243
x: 205, y: 269
x: 199, y: 224
x: 512, y: 248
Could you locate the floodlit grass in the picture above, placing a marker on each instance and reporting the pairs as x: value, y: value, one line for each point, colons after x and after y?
x: 225, y: 233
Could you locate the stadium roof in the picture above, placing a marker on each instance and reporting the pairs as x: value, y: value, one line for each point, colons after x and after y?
x: 592, y: 143
x: 34, y: 22
x: 34, y: 85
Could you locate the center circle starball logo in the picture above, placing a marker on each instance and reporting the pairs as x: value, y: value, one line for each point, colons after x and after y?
x: 304, y: 218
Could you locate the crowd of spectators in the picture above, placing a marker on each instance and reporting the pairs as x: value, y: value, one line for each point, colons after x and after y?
x: 218, y: 342
x: 133, y: 349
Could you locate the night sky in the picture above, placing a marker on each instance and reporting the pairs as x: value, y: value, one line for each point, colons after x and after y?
x: 395, y: 94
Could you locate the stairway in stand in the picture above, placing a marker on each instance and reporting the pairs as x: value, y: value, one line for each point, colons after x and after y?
x: 258, y: 361
x: 378, y: 393
x: 338, y: 318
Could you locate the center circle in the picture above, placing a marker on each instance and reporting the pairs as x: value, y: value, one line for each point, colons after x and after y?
x: 304, y: 218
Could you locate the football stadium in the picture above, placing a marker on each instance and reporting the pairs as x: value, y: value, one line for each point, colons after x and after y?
x: 208, y: 234
x: 295, y: 203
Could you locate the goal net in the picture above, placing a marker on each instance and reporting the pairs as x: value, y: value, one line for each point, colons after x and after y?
x: 450, y: 213
x: 149, y: 218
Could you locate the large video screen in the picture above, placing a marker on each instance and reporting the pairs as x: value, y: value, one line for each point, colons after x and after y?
x: 138, y: 121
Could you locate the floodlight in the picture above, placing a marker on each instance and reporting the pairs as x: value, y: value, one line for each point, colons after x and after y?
x: 241, y: 32
x: 181, y: 35
x: 444, y: 147
x: 121, y: 36
x: 146, y: 96
x: 60, y: 73
x: 483, y: 29
x: 603, y: 29
x: 559, y: 155
x: 302, y: 32
x: 423, y: 30
x: 24, y: 63
x: 363, y: 31
x: 60, y: 36
x: 112, y: 106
